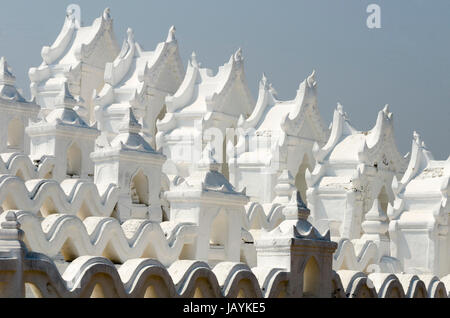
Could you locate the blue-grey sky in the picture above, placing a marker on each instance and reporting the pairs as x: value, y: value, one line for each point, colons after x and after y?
x: 405, y: 64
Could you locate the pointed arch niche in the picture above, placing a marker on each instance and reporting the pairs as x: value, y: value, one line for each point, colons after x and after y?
x: 139, y: 188
x: 15, y: 134
x: 73, y: 160
x: 311, y: 279
x: 219, y: 236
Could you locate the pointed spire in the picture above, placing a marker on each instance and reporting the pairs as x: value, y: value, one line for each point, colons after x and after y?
x: 130, y: 35
x: 340, y: 110
x: 272, y: 90
x: 311, y: 80
x: 416, y: 138
x: 107, y: 14
x: 6, y: 76
x: 194, y: 62
x: 70, y: 13
x: 238, y: 55
x: 73, y: 16
x: 171, y: 35
x: 129, y: 123
x: 65, y: 98
x: 264, y: 83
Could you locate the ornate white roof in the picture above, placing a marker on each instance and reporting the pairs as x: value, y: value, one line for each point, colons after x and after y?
x: 203, y: 93
x: 74, y: 46
x: 134, y: 69
x: 131, y: 77
x: 425, y: 179
x: 298, y: 117
x: 375, y: 147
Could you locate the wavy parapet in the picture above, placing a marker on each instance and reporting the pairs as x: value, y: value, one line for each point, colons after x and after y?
x: 21, y: 165
x: 346, y: 256
x: 257, y: 219
x: 356, y: 284
x: 92, y: 276
x: 105, y: 236
x: 44, y: 197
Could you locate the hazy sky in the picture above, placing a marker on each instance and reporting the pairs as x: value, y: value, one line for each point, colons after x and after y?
x: 405, y: 64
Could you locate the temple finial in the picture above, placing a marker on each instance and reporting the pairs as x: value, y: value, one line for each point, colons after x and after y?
x: 171, y: 35
x: 6, y: 75
x: 416, y: 137
x: 130, y: 35
x: 311, y: 80
x: 264, y: 84
x: 107, y: 14
x: 194, y: 62
x: 238, y: 55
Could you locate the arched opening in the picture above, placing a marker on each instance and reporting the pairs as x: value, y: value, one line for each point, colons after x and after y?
x: 283, y: 290
x: 241, y: 294
x: 311, y: 279
x: 165, y: 207
x: 383, y: 198
x: 198, y: 293
x: 300, y: 179
x: 15, y: 134
x: 421, y: 292
x: 150, y: 292
x: 139, y: 189
x: 98, y: 292
x: 246, y: 289
x: 218, y: 237
x: 395, y: 293
x: 165, y: 204
x: 32, y: 291
x: 219, y: 229
x: 156, y: 288
x: 74, y: 161
x: 364, y: 292
x: 203, y: 289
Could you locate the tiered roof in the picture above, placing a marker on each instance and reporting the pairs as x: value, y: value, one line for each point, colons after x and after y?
x: 202, y: 93
x: 76, y: 45
x: 298, y: 117
x: 134, y: 75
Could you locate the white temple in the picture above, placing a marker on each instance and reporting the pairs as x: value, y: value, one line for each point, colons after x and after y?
x: 128, y: 175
